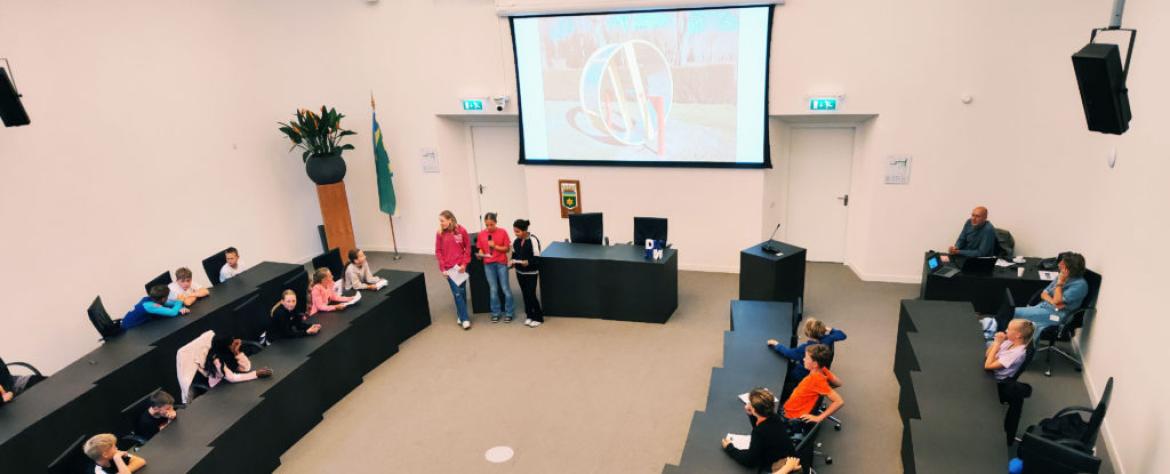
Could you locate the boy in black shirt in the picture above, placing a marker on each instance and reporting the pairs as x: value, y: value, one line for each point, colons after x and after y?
x: 157, y: 416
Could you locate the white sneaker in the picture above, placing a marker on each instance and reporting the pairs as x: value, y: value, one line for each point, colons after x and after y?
x: 466, y: 324
x: 527, y: 322
x: 535, y: 324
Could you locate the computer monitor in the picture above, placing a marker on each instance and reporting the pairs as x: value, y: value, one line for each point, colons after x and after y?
x: 653, y: 228
x: 586, y: 228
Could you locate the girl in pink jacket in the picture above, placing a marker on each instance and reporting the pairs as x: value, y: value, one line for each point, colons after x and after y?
x: 453, y: 251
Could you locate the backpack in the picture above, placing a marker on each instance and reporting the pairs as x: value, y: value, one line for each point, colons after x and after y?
x: 1066, y: 426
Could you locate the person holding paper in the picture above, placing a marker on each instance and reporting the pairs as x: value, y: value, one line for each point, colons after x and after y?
x: 1064, y: 295
x: 526, y: 261
x: 453, y: 252
x: 977, y: 239
x: 358, y: 275
x: 323, y: 293
x: 770, y: 440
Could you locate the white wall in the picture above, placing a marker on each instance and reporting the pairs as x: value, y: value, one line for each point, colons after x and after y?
x: 134, y: 100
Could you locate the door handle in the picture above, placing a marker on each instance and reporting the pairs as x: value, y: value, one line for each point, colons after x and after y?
x: 844, y: 200
x: 481, y: 189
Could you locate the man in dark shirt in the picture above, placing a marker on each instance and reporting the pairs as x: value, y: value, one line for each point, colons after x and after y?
x: 977, y: 238
x: 157, y: 416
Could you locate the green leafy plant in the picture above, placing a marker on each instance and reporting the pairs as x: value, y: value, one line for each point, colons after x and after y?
x: 317, y: 134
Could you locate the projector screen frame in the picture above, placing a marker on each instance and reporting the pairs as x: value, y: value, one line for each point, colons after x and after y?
x: 765, y: 164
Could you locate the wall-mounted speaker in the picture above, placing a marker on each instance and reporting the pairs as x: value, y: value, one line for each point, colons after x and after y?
x: 1101, y: 80
x: 11, y: 110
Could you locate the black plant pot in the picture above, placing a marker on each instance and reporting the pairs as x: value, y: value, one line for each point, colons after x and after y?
x: 325, y: 169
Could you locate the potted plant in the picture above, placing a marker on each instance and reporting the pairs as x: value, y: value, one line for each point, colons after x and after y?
x: 320, y: 137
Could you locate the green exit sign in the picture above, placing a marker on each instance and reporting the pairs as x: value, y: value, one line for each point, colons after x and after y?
x: 822, y: 104
x: 473, y: 105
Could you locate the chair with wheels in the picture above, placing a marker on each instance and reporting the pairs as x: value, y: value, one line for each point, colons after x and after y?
x: 17, y: 384
x: 1065, y: 330
x: 1070, y: 438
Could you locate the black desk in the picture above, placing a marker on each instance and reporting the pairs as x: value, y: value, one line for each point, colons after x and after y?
x: 246, y: 427
x: 747, y: 363
x: 984, y: 291
x: 770, y: 277
x: 86, y: 396
x: 952, y: 419
x: 613, y: 282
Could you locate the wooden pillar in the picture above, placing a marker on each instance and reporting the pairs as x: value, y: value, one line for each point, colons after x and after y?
x: 335, y: 216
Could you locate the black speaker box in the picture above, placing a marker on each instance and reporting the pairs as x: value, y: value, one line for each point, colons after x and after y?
x: 1102, y: 83
x: 11, y: 110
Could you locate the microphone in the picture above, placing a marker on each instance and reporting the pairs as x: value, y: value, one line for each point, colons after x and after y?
x: 770, y: 246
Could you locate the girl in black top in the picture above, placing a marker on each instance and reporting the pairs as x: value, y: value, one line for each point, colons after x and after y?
x: 771, y: 441
x: 286, y: 322
x: 526, y: 261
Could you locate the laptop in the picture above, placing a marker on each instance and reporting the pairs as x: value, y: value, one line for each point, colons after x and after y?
x: 978, y: 265
x: 937, y: 267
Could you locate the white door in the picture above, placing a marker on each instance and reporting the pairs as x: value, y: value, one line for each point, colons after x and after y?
x: 500, y: 180
x: 819, y: 168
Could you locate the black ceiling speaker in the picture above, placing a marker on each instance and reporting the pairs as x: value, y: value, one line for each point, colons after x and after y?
x: 1101, y: 79
x: 11, y: 110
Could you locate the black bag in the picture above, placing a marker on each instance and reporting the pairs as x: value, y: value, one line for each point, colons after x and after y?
x: 1066, y: 426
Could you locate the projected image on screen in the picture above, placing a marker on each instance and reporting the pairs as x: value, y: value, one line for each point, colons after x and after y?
x: 674, y: 87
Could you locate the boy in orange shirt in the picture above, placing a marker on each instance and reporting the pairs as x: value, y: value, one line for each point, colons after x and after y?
x: 820, y: 381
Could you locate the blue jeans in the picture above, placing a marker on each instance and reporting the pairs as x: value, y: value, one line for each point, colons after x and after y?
x: 1039, y: 315
x: 460, y: 294
x: 497, y: 277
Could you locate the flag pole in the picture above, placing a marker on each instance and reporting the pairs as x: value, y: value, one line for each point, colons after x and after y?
x: 393, y: 236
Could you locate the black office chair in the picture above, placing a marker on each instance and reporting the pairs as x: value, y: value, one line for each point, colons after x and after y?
x: 129, y: 420
x: 73, y: 460
x: 653, y: 228
x: 1069, y: 429
x: 8, y: 381
x: 106, y: 327
x: 1045, y: 456
x: 250, y: 319
x: 163, y: 279
x: 587, y: 228
x: 807, y: 448
x: 332, y: 261
x: 213, y: 264
x: 1066, y: 329
x: 1005, y: 244
x: 1012, y: 393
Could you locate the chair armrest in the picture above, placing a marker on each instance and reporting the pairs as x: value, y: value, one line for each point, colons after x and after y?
x: 27, y: 366
x: 1073, y: 410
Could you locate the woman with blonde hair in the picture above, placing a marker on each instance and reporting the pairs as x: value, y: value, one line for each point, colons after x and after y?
x: 323, y: 293
x: 453, y: 252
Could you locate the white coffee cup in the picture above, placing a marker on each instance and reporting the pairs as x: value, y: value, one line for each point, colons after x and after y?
x: 1020, y: 272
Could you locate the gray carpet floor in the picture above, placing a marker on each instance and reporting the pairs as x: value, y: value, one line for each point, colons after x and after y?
x: 592, y: 396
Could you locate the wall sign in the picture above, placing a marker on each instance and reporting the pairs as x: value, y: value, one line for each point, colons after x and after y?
x: 898, y: 170
x: 569, y: 193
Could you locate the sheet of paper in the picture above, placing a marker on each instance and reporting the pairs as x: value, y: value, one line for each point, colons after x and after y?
x: 456, y: 276
x: 1003, y: 263
x: 356, y: 297
x: 1048, y: 276
x: 741, y: 442
x: 381, y: 284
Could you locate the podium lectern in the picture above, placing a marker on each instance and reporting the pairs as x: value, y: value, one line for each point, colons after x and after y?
x: 766, y: 276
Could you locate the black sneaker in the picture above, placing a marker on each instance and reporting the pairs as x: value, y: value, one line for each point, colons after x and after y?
x: 495, y: 319
x: 507, y: 319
